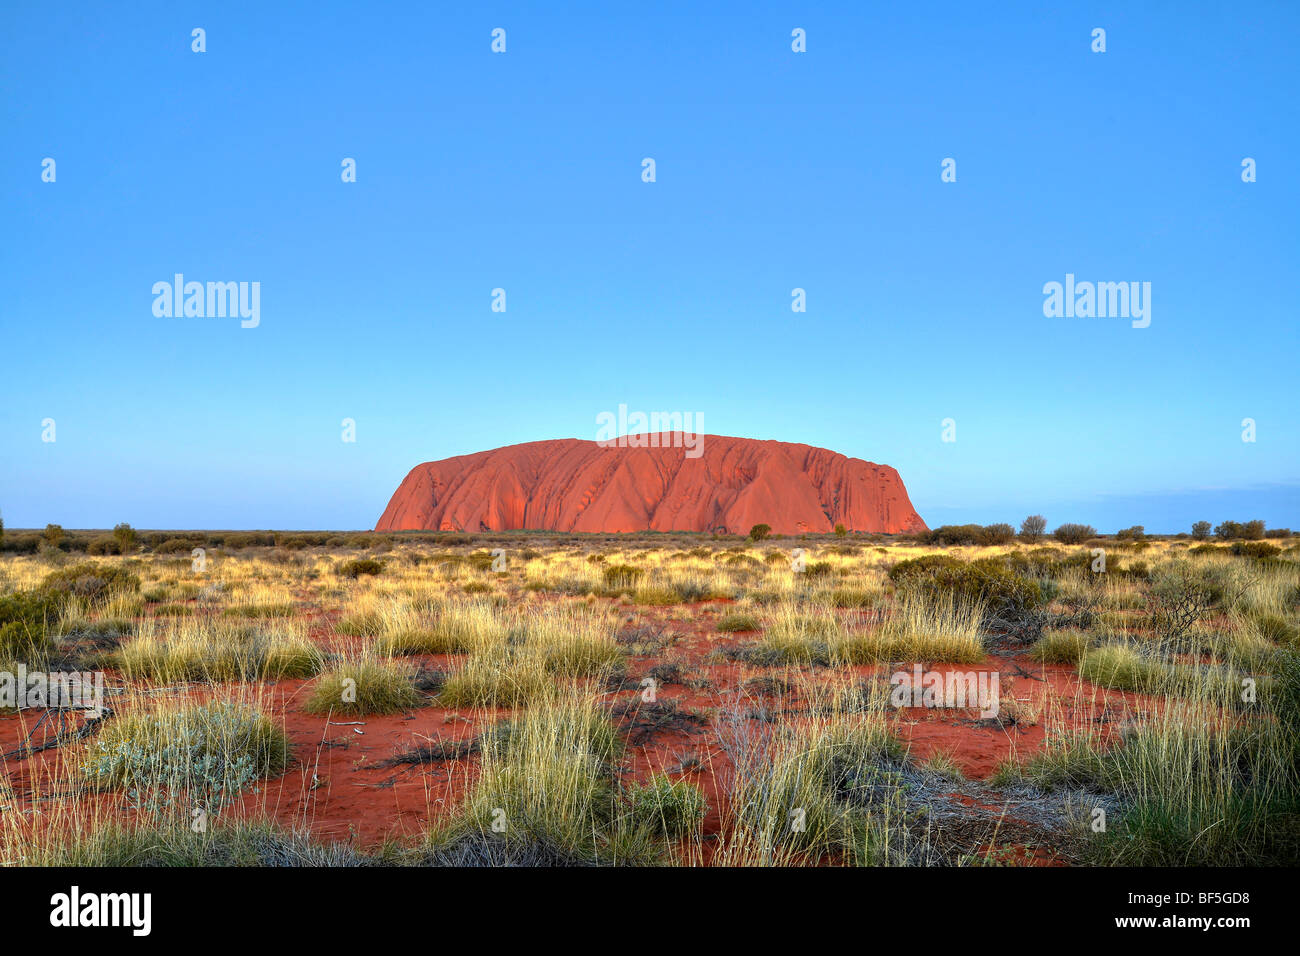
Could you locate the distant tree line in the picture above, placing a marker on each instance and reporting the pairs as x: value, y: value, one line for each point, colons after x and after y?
x: 1034, y: 529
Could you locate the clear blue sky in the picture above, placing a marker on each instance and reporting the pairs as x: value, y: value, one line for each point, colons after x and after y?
x: 775, y: 170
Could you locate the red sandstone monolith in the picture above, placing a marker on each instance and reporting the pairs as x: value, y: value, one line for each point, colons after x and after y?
x: 567, y: 484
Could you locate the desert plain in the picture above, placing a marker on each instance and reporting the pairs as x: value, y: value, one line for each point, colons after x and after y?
x: 956, y: 697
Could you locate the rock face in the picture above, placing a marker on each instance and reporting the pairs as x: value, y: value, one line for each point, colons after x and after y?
x: 571, y: 485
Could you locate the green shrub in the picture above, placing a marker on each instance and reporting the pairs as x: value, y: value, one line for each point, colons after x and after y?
x: 301, y: 540
x: 94, y: 583
x: 1249, y: 531
x: 995, y: 534
x: 1255, y: 549
x: 988, y: 580
x: 22, y: 544
x: 950, y: 535
x: 25, y: 617
x: 125, y: 537
x: 104, y: 544
x: 954, y: 534
x: 911, y: 568
x: 1074, y: 533
x: 250, y: 539
x: 359, y: 566
x: 759, y: 532
x: 178, y: 545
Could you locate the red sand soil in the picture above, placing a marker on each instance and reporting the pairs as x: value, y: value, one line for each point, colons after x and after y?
x: 337, y: 787
x: 573, y: 485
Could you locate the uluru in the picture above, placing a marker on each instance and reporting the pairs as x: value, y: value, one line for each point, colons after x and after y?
x: 729, y: 484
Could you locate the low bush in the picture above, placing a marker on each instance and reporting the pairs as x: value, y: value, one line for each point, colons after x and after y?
x: 92, y: 582
x: 361, y: 566
x: 1005, y: 593
x: 995, y: 534
x: 1255, y: 549
x: 190, y: 756
x: 1074, y: 533
x: 25, y: 619
x: 104, y: 544
x: 178, y: 545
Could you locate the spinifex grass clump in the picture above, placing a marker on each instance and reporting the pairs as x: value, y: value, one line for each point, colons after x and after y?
x: 621, y: 577
x: 1125, y: 667
x: 737, y: 621
x: 450, y: 629
x: 576, y: 642
x: 564, y: 576
x: 921, y: 627
x: 1065, y: 646
x: 672, y: 808
x: 256, y: 611
x: 851, y: 598
x: 523, y: 660
x: 507, y: 678
x: 185, y: 755
x: 110, y: 843
x: 1205, y: 787
x: 672, y: 585
x: 1071, y: 758
x: 826, y: 789
x: 425, y: 627
x: 217, y: 649
x: 1197, y: 783
x: 796, y: 634
x: 545, y: 793
x: 362, y: 683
